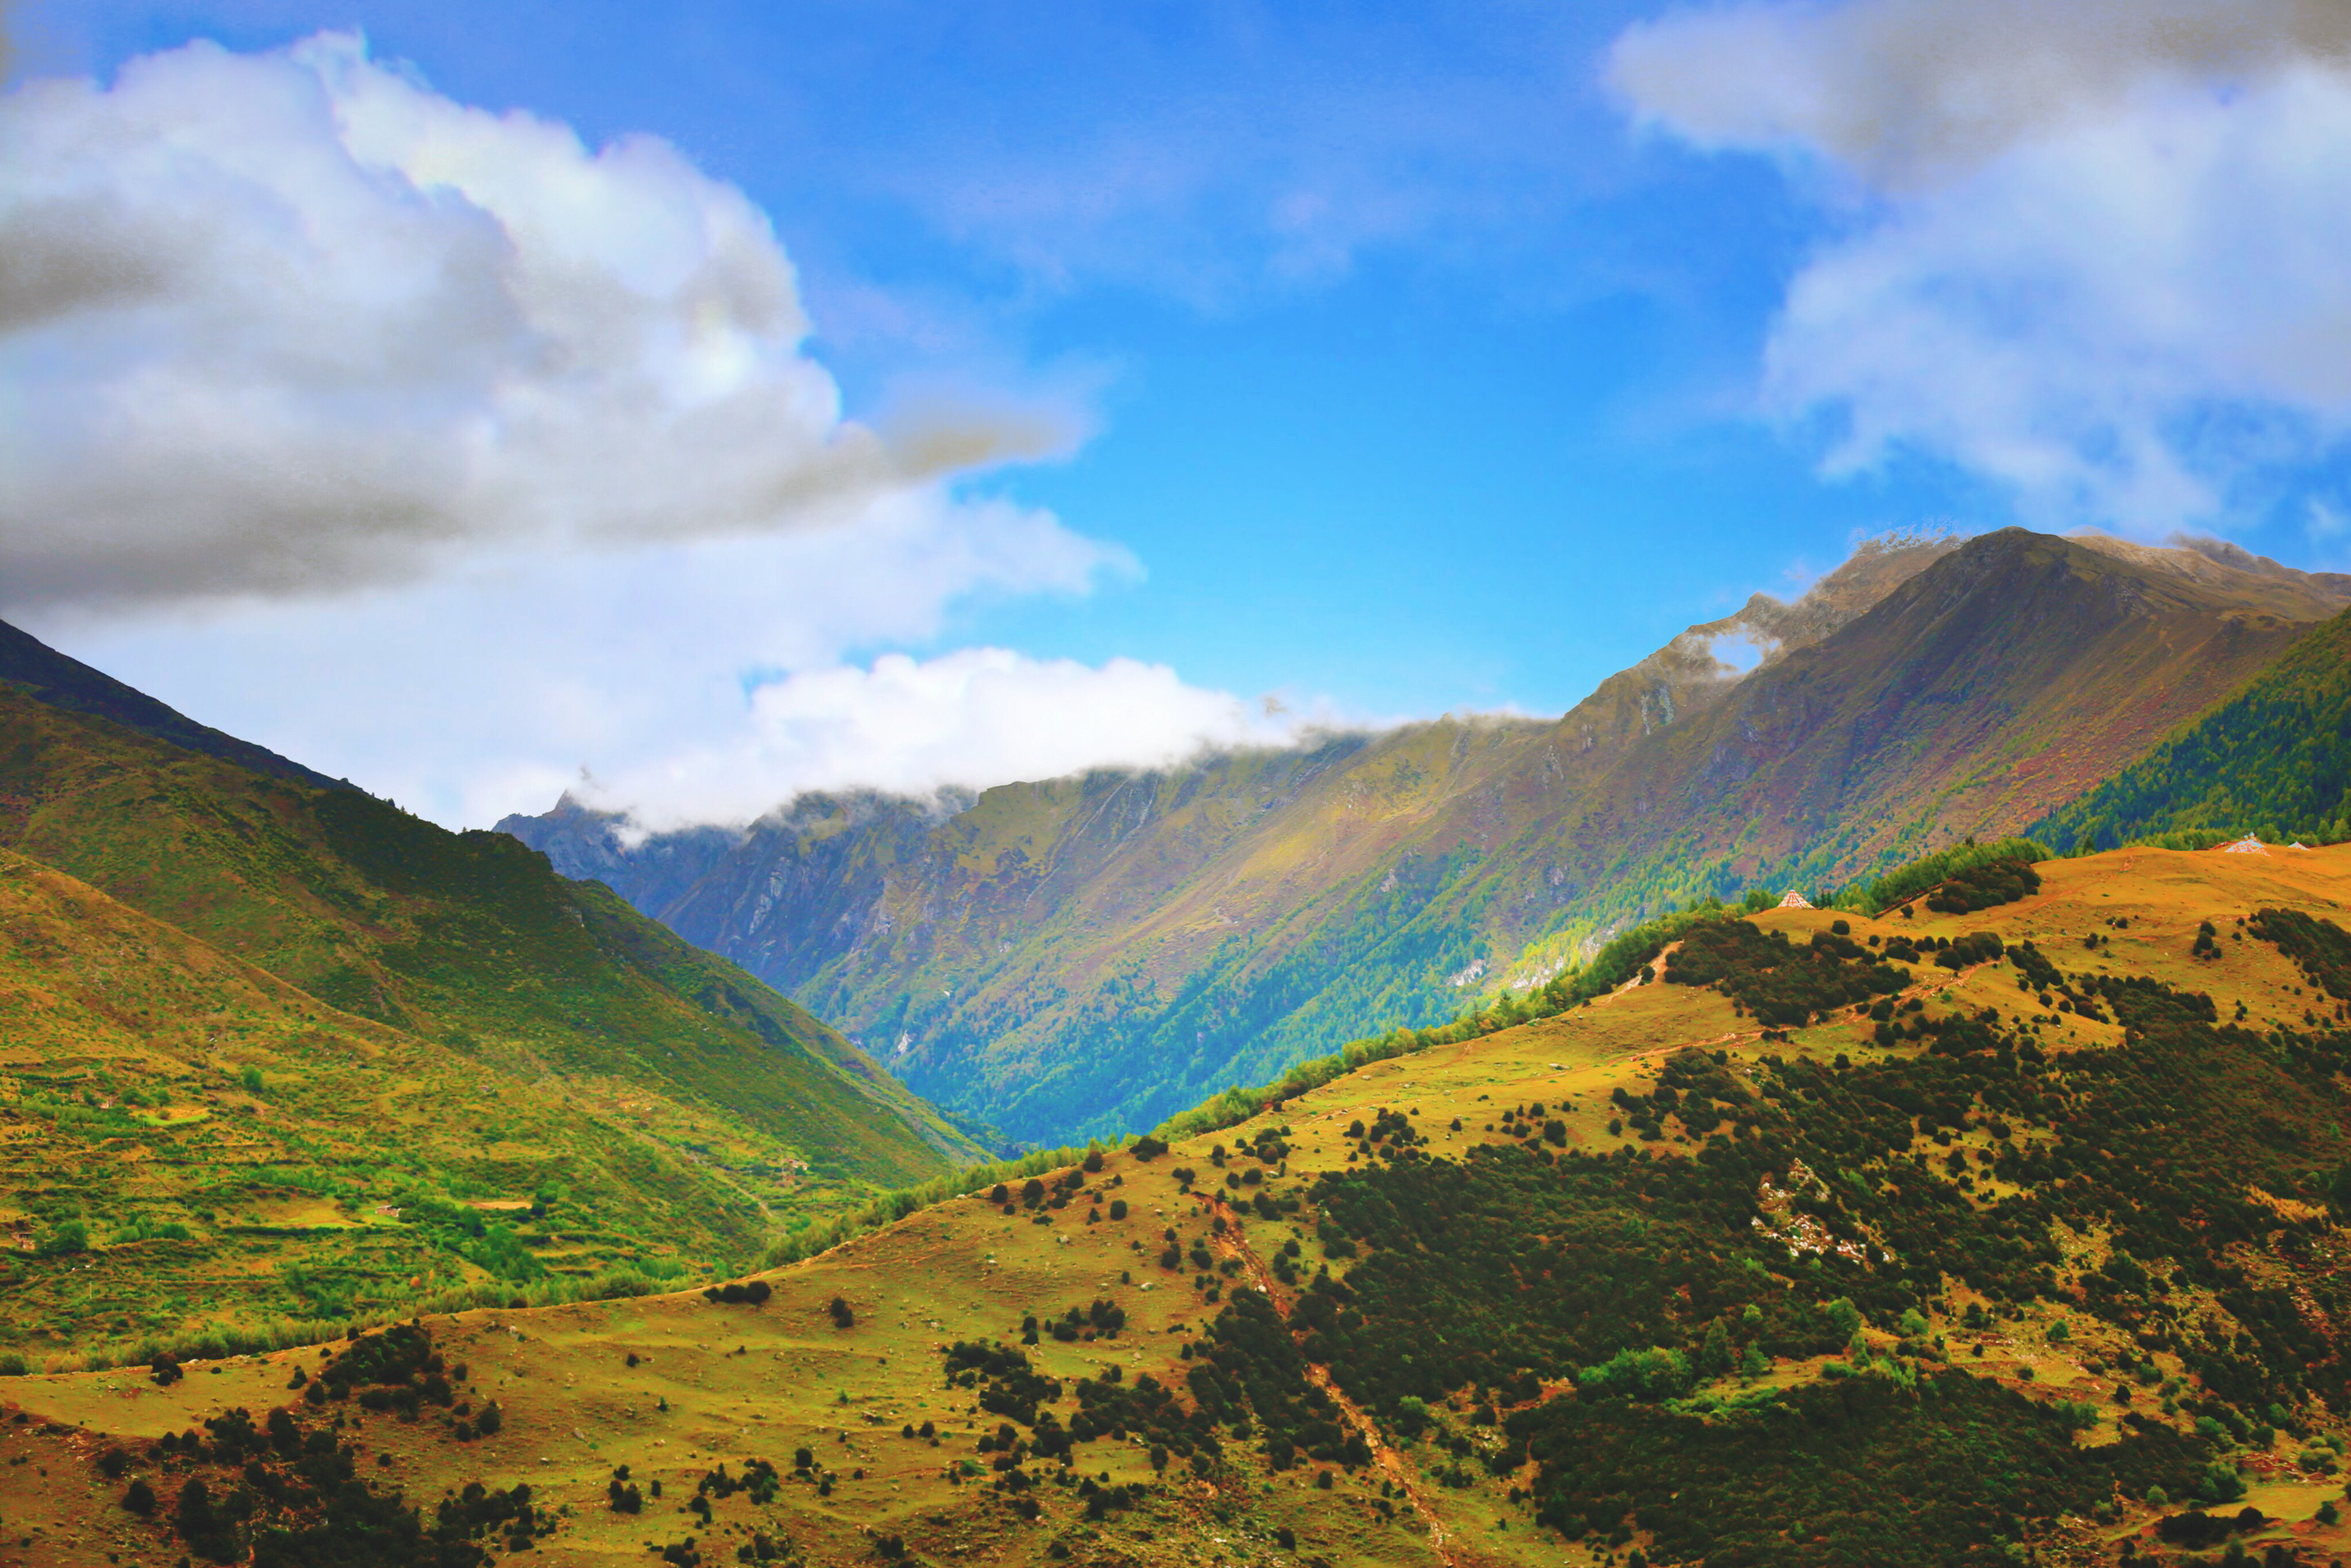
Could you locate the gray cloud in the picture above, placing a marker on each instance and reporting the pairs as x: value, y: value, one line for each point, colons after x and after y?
x: 65, y: 255
x: 1905, y: 91
x: 293, y: 322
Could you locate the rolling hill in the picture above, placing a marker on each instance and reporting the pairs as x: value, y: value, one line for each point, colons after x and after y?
x: 1088, y: 954
x: 2016, y: 1236
x: 279, y: 1049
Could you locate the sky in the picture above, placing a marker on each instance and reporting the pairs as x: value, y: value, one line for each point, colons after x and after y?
x: 689, y: 406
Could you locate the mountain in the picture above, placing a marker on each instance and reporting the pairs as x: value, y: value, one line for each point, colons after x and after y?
x: 2275, y: 760
x: 2013, y: 1237
x: 276, y: 1047
x: 1088, y: 954
x: 39, y: 671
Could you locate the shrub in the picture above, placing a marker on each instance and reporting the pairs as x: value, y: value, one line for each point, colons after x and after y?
x: 1979, y: 948
x: 1638, y: 1375
x: 140, y: 1498
x: 2219, y: 1483
x: 1984, y: 886
x: 842, y: 1317
x: 1899, y: 886
x: 737, y: 1293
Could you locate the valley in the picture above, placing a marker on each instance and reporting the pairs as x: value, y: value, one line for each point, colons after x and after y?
x: 1003, y: 787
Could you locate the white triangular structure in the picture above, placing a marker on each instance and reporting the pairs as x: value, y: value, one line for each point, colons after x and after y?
x: 2298, y: 844
x: 1796, y: 901
x: 2248, y: 845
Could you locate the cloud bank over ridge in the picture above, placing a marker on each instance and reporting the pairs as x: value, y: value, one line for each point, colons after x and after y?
x: 453, y: 454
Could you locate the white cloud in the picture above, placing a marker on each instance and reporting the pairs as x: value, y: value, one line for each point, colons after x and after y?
x: 2091, y: 252
x: 448, y: 454
x: 975, y: 717
x: 291, y: 321
x: 487, y: 689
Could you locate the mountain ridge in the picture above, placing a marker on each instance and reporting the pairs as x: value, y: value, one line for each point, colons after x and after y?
x: 40, y: 672
x: 1093, y: 953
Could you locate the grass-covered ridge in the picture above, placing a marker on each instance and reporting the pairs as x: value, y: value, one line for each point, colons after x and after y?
x: 1621, y: 959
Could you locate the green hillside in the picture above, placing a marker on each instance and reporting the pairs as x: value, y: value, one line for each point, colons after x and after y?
x: 465, y: 938
x: 438, y: 1023
x: 2274, y: 759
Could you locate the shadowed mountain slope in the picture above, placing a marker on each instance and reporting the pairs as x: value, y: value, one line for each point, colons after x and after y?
x: 2275, y: 760
x: 39, y: 671
x: 1092, y: 953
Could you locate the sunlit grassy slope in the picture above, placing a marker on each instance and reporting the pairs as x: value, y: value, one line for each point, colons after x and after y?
x: 439, y: 1024
x: 1969, y: 1287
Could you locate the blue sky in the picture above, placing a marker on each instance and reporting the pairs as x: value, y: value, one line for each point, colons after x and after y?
x: 1392, y: 359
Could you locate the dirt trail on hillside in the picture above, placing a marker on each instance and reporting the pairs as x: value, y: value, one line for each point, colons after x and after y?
x: 1234, y: 1242
x: 1656, y: 967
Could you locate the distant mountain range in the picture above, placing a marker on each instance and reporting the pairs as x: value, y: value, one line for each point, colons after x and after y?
x: 1091, y: 954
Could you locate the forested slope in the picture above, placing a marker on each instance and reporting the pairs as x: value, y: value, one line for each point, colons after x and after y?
x: 2274, y: 759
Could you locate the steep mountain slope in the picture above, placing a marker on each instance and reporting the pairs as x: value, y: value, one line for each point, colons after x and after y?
x: 176, y: 920
x: 467, y: 938
x: 2019, y: 672
x: 2275, y: 760
x: 190, y: 1141
x: 1089, y: 953
x: 39, y: 671
x: 2040, y: 1265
